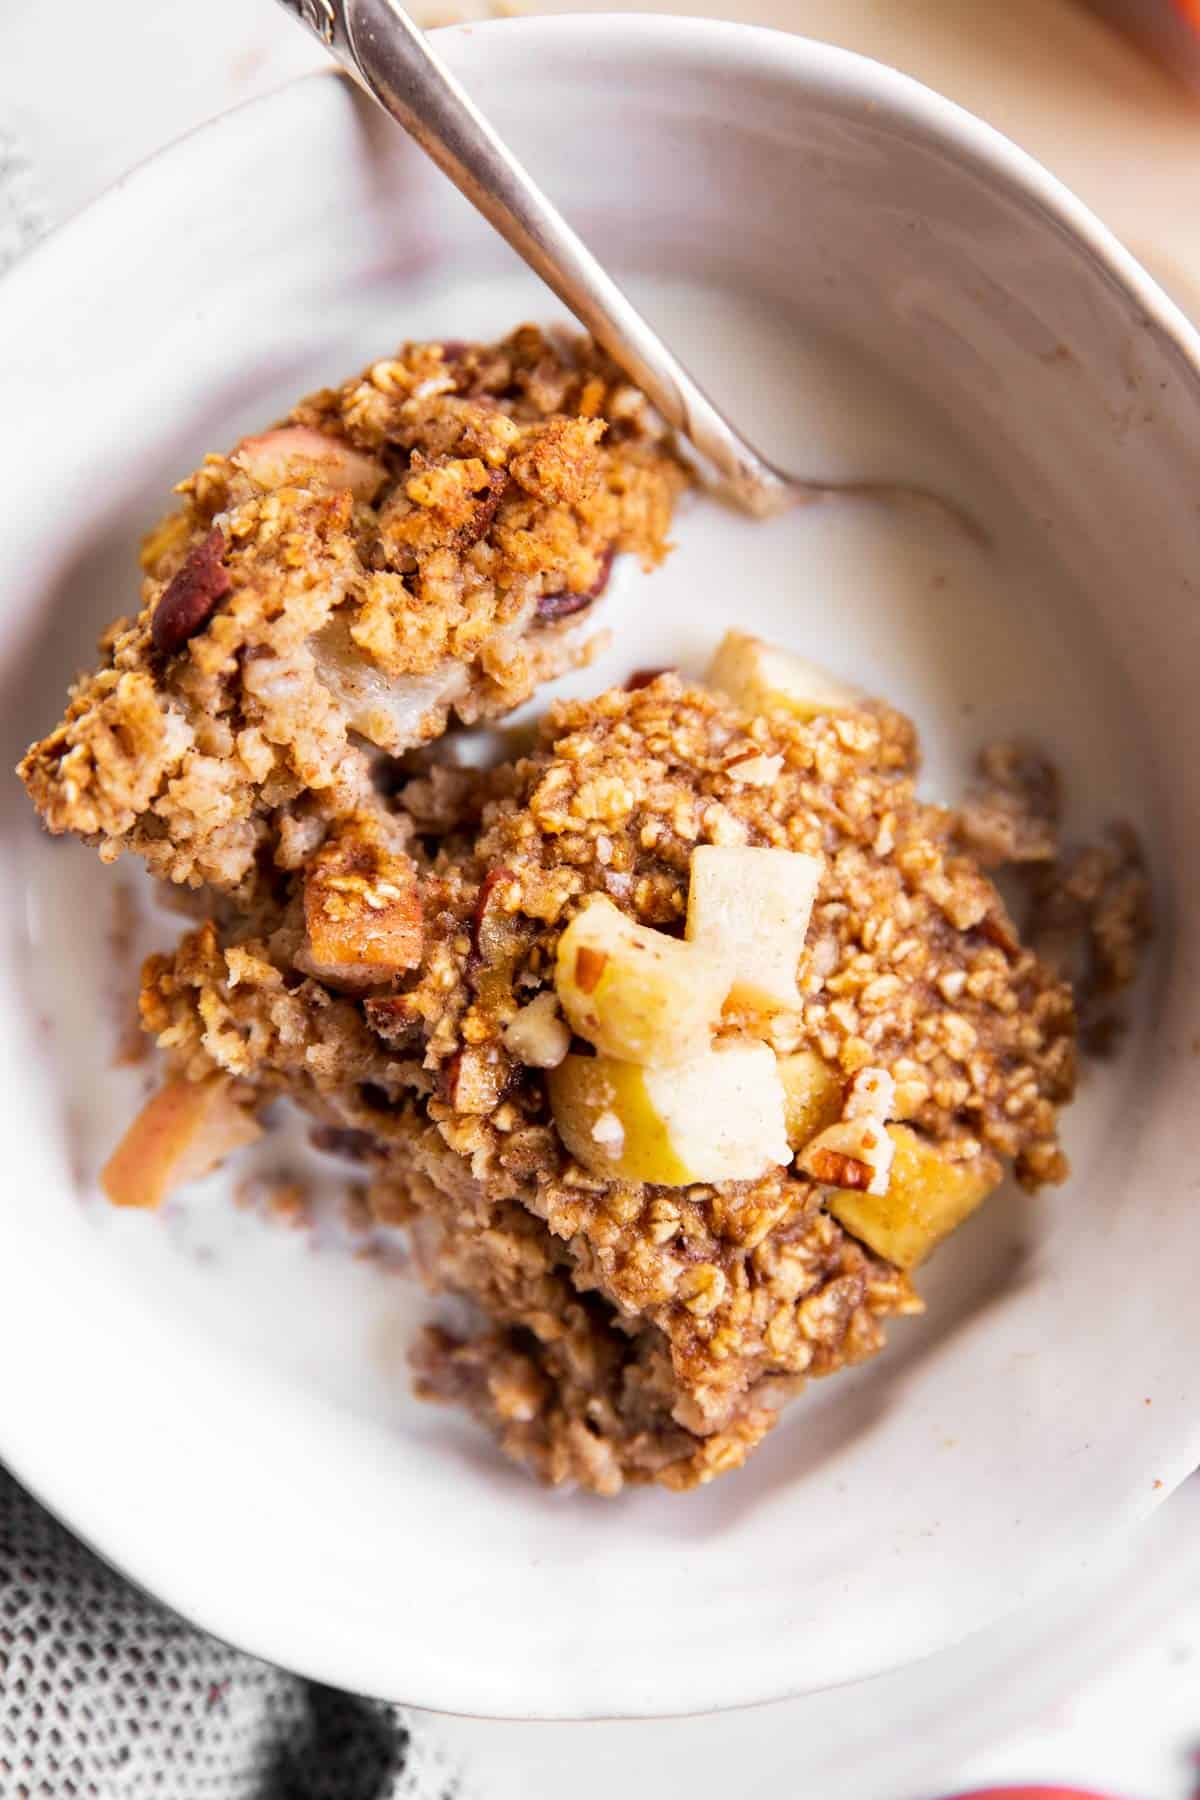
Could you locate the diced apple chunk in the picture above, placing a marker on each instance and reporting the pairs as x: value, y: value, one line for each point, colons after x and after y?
x: 927, y: 1197
x: 757, y: 676
x: 719, y: 1117
x: 298, y: 453
x: 636, y: 993
x: 391, y: 712
x: 813, y: 1092
x: 751, y: 909
x: 181, y: 1133
x: 362, y: 909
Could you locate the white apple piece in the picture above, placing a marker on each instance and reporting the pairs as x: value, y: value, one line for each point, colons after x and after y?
x: 751, y: 908
x: 759, y: 676
x: 636, y: 993
x: 391, y: 713
x: 719, y: 1117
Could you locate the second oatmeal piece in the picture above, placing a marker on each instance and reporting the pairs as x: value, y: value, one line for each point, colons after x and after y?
x: 421, y: 542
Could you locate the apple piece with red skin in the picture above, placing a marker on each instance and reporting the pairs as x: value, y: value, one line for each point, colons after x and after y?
x: 298, y: 453
x: 182, y: 1132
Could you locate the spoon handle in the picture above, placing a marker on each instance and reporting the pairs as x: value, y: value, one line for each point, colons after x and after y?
x: 394, y: 62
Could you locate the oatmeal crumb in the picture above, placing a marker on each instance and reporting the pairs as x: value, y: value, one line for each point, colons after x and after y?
x: 1089, y: 906
x: 284, y: 1198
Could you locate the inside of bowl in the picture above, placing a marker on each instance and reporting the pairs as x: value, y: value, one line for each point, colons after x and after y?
x: 867, y: 301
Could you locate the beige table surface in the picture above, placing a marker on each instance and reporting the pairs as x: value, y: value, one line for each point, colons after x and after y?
x: 1053, y: 76
x: 1047, y: 72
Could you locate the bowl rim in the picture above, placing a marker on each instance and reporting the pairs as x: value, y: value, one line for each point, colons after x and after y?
x: 726, y: 42
x: 736, y: 49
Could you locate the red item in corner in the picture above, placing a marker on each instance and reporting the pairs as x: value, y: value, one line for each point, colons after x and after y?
x: 1033, y: 1793
x: 1169, y: 29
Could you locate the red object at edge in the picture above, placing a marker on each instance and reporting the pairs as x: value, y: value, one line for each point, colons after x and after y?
x: 1170, y: 31
x: 1033, y: 1793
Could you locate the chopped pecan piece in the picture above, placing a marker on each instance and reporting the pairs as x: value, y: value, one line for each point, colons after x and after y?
x: 190, y: 597
x: 343, y: 1140
x: 552, y: 607
x: 856, y: 1152
x: 836, y: 1169
x: 998, y: 929
x: 487, y: 503
x: 537, y: 1036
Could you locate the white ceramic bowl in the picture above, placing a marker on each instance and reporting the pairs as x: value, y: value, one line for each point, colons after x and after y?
x: 222, y: 1411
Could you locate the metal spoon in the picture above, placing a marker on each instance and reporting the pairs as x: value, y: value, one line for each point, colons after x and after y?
x: 393, y: 61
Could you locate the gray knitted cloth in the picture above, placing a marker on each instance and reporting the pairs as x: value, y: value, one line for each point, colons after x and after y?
x: 106, y: 1696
